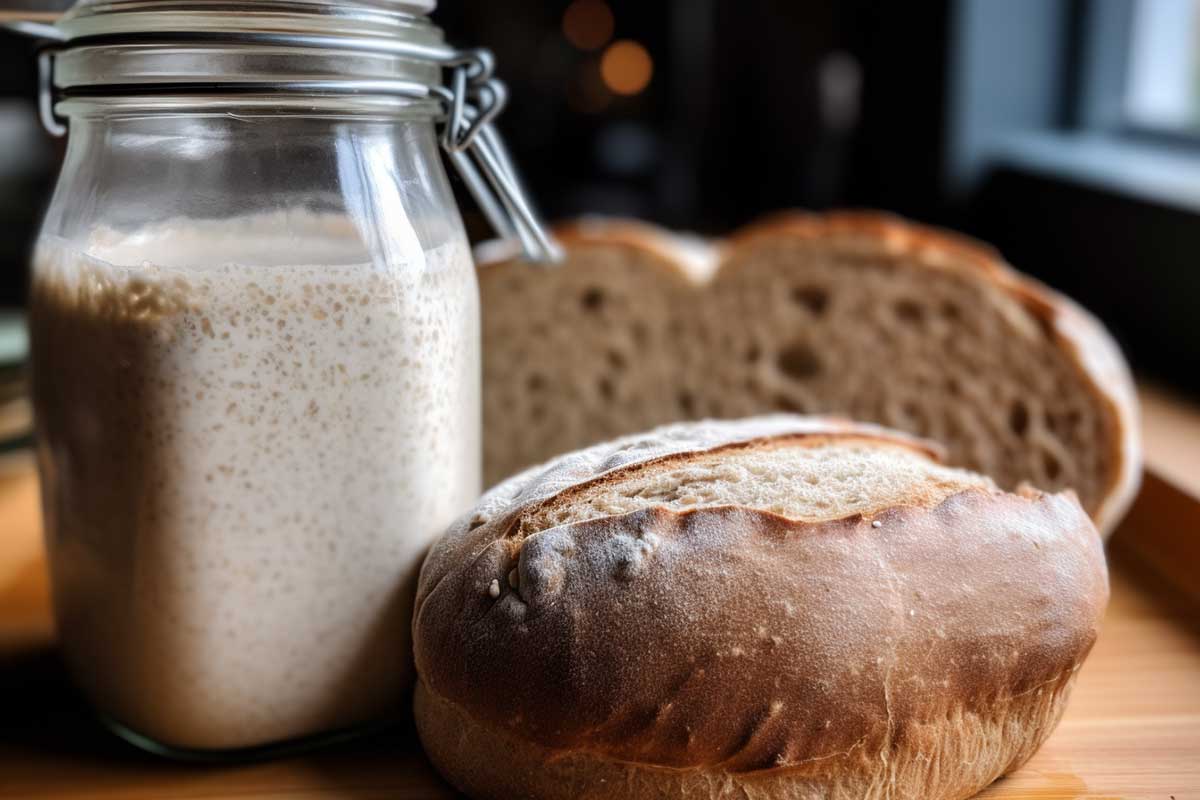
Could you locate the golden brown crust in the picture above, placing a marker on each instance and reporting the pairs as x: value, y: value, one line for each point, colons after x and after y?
x: 731, y: 646
x: 737, y: 638
x: 628, y: 232
x: 663, y: 248
x: 489, y: 762
x: 894, y: 234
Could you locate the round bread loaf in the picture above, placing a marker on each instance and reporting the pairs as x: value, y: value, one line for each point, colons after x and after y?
x: 781, y: 607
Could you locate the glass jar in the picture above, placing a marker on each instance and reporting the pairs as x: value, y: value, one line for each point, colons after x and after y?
x: 255, y: 342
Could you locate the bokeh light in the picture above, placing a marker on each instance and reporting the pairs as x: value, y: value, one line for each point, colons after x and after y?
x: 626, y: 67
x: 588, y: 24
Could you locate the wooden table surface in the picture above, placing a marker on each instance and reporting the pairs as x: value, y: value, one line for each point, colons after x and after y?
x: 1132, y: 729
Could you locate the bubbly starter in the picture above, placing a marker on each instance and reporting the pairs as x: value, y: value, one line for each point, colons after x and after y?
x: 249, y: 432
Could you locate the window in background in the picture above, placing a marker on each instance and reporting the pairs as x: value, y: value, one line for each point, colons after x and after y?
x: 1163, y: 80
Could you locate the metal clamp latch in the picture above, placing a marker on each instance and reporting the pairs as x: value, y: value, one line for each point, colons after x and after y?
x: 470, y: 102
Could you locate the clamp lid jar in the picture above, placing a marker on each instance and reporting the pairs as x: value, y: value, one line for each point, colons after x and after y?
x: 255, y: 340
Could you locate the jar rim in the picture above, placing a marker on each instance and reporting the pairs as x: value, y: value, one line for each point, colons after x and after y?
x: 247, y: 106
x: 123, y: 44
x: 96, y: 17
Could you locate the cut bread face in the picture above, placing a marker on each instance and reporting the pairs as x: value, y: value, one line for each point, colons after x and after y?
x: 853, y: 314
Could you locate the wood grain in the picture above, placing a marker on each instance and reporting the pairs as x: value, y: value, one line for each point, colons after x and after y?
x: 17, y: 15
x: 1171, y: 435
x: 1132, y: 729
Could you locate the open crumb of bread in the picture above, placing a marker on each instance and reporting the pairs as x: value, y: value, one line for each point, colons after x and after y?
x: 854, y: 314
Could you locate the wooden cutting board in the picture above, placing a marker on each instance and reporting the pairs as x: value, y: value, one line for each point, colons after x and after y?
x: 1132, y: 729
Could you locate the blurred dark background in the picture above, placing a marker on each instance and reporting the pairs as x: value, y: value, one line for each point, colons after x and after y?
x: 1065, y: 132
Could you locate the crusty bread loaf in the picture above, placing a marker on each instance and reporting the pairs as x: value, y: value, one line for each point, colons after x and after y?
x: 854, y: 314
x: 774, y: 608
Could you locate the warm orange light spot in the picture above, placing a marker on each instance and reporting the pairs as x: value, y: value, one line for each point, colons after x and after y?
x: 626, y: 67
x: 588, y: 24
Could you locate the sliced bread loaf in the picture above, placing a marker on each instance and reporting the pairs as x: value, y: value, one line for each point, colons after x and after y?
x: 855, y: 314
x: 779, y: 607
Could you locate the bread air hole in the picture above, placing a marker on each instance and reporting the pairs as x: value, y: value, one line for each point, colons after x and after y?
x: 1051, y: 465
x: 799, y: 362
x: 753, y: 353
x: 687, y: 402
x: 605, y: 386
x: 616, y: 360
x: 1018, y: 418
x: 535, y: 382
x: 910, y: 312
x: 592, y: 299
x: 814, y: 298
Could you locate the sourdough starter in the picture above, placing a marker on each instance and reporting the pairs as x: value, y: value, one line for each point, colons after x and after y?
x: 248, y: 436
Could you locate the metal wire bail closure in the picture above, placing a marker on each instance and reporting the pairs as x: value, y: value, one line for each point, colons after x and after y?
x: 471, y: 100
x: 474, y: 146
